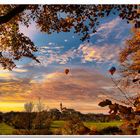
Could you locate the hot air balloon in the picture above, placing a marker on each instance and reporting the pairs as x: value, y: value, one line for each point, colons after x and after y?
x: 67, y: 71
x: 112, y: 70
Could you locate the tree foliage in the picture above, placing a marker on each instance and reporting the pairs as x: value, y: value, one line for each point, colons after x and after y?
x: 130, y: 59
x: 130, y: 79
x: 83, y: 19
x: 29, y: 107
x: 74, y: 127
x: 40, y: 106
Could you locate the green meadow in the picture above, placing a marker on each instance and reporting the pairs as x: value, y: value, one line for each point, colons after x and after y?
x: 90, y: 124
x: 8, y: 130
x: 5, y: 129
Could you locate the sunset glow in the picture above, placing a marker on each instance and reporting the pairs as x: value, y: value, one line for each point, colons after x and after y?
x: 88, y: 62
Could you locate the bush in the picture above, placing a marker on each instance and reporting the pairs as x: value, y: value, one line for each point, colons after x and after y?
x: 128, y: 128
x: 20, y: 121
x: 111, y: 130
x: 74, y: 127
x: 32, y: 132
x: 57, y: 131
x: 22, y: 132
x: 41, y: 121
x: 1, y: 119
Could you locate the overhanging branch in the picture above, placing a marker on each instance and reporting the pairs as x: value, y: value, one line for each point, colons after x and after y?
x: 6, y: 18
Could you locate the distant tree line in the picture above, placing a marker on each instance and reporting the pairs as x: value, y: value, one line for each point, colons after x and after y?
x: 12, y: 118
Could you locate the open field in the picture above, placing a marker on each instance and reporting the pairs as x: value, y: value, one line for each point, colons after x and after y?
x: 7, y: 130
x: 90, y: 124
x: 101, y: 125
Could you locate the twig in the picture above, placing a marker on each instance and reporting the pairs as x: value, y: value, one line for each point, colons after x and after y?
x: 125, y: 95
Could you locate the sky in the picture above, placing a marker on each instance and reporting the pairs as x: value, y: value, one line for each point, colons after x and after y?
x: 88, y: 81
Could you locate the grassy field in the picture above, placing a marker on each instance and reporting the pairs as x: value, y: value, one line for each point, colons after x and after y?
x: 92, y: 125
x: 101, y: 125
x: 97, y: 125
x: 5, y: 129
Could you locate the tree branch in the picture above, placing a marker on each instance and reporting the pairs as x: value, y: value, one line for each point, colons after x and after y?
x: 125, y: 94
x: 6, y: 18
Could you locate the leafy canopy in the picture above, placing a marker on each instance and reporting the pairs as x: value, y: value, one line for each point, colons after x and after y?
x: 48, y: 18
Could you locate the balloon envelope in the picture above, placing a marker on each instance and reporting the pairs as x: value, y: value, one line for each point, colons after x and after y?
x: 67, y: 71
x: 112, y: 70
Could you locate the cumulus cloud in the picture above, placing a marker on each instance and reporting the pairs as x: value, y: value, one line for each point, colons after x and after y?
x: 53, y: 54
x: 100, y: 54
x: 86, y: 52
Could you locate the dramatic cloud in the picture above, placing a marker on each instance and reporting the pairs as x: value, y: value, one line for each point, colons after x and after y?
x: 86, y: 52
x: 104, y: 48
x: 10, y: 87
x: 82, y: 89
x: 81, y: 86
x: 53, y: 54
x: 5, y: 75
x: 99, y: 54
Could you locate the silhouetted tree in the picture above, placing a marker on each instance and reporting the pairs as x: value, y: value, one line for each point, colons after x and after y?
x: 29, y: 108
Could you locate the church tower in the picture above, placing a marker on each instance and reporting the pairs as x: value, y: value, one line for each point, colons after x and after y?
x: 61, y: 107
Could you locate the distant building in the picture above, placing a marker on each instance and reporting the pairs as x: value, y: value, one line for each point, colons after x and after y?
x: 62, y: 108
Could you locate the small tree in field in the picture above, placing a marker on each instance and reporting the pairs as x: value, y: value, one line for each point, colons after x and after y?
x: 29, y: 108
x: 40, y: 106
x: 41, y: 117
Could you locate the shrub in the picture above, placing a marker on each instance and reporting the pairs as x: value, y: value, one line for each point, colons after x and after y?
x: 74, y: 127
x: 111, y: 130
x: 20, y: 121
x: 41, y: 121
x: 128, y: 128
x: 32, y: 132
x: 57, y: 131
